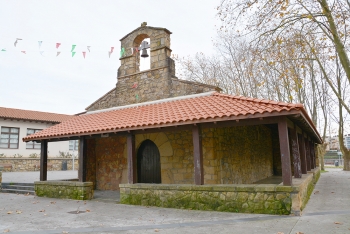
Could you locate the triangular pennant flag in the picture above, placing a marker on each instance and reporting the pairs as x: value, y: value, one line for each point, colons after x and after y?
x: 58, y: 45
x: 40, y: 42
x: 122, y: 52
x: 109, y: 54
x: 84, y: 53
x: 112, y: 48
x: 136, y: 49
x: 17, y: 39
x: 3, y: 50
x: 88, y: 47
x: 73, y: 53
x: 58, y: 53
x: 73, y: 47
x: 23, y: 52
x: 41, y: 52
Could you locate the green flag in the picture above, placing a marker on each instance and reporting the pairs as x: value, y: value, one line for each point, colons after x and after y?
x: 73, y: 53
x: 73, y: 47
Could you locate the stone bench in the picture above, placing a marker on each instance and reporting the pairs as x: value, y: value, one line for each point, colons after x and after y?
x: 6, y: 166
x: 37, y: 166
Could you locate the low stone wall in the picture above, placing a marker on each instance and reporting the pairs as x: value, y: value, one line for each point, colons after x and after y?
x: 64, y: 189
x: 29, y: 164
x: 242, y: 198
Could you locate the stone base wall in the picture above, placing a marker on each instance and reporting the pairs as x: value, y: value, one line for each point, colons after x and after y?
x: 64, y: 189
x: 29, y: 164
x: 242, y: 198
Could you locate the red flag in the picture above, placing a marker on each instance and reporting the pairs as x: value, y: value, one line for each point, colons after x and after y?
x: 84, y: 53
x: 58, y: 45
x: 23, y: 52
x: 112, y: 48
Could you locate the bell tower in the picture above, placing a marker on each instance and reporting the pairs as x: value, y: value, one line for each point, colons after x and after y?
x: 158, y: 82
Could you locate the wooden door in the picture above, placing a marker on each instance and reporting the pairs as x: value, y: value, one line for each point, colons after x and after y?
x: 148, y: 163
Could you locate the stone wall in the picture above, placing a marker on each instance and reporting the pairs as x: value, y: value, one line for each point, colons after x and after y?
x: 261, y: 199
x: 64, y: 189
x: 29, y: 164
x: 244, y: 198
x: 111, y: 162
x: 237, y: 155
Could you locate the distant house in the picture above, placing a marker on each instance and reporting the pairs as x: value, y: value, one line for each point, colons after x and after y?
x: 16, y: 124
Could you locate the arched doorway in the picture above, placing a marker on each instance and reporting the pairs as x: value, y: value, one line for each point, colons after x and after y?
x: 148, y: 163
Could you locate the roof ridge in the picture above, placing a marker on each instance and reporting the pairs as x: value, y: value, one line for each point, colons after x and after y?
x: 260, y: 100
x: 136, y: 105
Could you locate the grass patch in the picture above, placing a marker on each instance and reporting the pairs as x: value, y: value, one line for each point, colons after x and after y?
x: 323, y: 171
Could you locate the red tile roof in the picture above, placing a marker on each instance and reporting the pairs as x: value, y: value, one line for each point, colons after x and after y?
x: 10, y: 113
x: 169, y: 112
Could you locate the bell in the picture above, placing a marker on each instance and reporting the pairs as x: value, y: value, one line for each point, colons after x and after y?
x: 144, y: 53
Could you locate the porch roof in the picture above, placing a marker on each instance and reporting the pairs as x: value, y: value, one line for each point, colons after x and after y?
x: 191, y: 109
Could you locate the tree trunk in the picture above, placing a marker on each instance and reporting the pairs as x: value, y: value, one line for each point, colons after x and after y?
x: 346, y: 158
x: 321, y: 150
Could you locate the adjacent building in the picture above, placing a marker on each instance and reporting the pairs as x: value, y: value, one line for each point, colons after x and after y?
x: 16, y: 124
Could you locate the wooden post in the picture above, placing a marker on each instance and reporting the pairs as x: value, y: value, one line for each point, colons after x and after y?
x: 197, y: 155
x: 312, y: 155
x: 43, y: 161
x: 295, y: 153
x: 82, y: 160
x: 302, y: 154
x: 132, y: 166
x: 307, y: 151
x: 285, y: 153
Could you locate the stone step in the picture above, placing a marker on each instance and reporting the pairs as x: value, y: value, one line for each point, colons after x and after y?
x: 20, y: 188
x: 17, y: 191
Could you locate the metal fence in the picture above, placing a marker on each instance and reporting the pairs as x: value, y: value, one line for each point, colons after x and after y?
x: 333, y: 162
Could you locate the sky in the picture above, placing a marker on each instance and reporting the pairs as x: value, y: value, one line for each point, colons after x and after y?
x: 33, y: 77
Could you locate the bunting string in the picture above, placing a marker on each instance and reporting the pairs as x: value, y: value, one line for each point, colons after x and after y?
x: 22, y: 45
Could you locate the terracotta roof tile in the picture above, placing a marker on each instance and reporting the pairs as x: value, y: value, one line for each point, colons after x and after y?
x: 212, y: 106
x: 10, y: 113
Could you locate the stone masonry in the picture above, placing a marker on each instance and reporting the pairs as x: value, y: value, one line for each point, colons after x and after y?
x: 159, y: 82
x: 236, y: 155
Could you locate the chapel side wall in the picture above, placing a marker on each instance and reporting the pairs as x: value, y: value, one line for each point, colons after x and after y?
x: 111, y: 162
x: 243, y: 154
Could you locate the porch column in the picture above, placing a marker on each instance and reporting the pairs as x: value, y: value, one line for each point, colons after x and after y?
x: 312, y: 155
x: 82, y: 160
x: 295, y: 153
x: 132, y: 167
x: 197, y: 155
x: 43, y: 161
x: 285, y: 153
x: 302, y: 154
x: 307, y: 150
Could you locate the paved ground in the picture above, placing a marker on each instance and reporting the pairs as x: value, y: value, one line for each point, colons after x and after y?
x: 31, y: 176
x: 328, y: 211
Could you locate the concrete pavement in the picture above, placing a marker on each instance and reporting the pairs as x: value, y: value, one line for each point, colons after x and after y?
x: 328, y: 211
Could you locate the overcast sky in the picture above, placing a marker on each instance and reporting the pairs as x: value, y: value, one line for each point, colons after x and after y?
x: 34, y: 78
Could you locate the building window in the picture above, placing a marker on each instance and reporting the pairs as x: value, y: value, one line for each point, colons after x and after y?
x: 9, y: 138
x: 32, y: 144
x: 73, y: 145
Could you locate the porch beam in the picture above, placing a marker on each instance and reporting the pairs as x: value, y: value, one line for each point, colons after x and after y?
x: 82, y: 160
x: 197, y: 155
x: 285, y: 153
x: 295, y: 153
x: 302, y: 154
x: 43, y: 161
x: 132, y: 166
